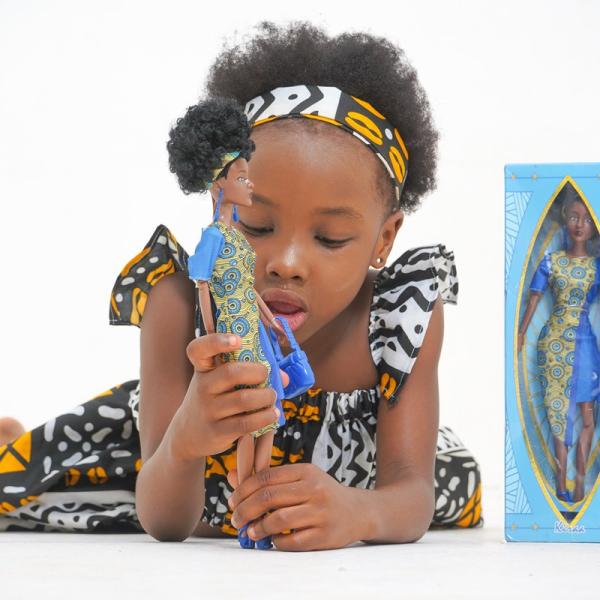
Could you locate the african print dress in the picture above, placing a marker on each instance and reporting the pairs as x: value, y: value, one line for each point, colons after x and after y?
x: 568, y: 356
x: 77, y: 472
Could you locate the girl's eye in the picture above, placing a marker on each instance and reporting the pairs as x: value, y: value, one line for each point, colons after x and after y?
x: 242, y: 179
x: 328, y: 242
x: 333, y: 243
x: 256, y: 230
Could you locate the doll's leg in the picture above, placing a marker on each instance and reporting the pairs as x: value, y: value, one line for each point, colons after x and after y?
x: 245, y: 461
x: 560, y: 451
x: 583, y: 448
x: 262, y: 460
x: 263, y: 450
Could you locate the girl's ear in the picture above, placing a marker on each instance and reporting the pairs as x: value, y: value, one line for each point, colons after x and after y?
x: 386, y: 238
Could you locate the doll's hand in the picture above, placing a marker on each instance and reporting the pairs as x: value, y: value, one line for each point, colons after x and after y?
x: 520, y: 341
x: 321, y: 512
x: 213, y: 413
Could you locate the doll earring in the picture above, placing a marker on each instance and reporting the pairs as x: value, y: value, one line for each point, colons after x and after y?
x: 379, y: 260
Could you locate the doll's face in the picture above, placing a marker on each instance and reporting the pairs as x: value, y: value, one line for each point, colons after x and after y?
x: 316, y: 222
x: 580, y: 225
x: 237, y: 187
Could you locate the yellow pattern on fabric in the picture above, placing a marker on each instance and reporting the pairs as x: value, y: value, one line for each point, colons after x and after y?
x: 232, y: 288
x: 556, y: 346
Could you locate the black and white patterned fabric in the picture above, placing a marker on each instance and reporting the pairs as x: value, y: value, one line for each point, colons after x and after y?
x: 77, y: 472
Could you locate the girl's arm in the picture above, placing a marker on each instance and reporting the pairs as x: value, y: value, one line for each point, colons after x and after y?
x: 401, y: 506
x: 190, y: 408
x: 322, y: 513
x: 169, y: 491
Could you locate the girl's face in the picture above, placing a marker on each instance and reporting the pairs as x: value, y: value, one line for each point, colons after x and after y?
x: 316, y: 223
x: 580, y: 225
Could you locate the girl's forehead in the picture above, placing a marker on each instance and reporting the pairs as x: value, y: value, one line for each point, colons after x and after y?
x: 314, y: 161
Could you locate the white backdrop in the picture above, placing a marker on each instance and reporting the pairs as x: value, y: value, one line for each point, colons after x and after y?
x: 89, y: 90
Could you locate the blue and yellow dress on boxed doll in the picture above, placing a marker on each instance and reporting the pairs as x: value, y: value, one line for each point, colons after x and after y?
x: 551, y: 443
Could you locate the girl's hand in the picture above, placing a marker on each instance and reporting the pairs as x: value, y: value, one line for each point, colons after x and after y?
x: 321, y: 512
x: 213, y: 413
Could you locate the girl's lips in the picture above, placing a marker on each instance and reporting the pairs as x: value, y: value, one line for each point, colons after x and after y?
x: 294, y: 319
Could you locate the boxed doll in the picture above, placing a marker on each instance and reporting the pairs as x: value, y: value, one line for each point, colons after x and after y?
x: 552, y: 328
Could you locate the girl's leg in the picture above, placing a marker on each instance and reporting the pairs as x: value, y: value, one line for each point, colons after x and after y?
x: 10, y: 430
x: 560, y: 451
x: 583, y: 448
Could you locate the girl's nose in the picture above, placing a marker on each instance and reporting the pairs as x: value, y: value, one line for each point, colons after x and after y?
x: 287, y: 263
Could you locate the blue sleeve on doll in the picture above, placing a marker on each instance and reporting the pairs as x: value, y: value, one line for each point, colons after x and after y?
x: 201, y: 263
x: 539, y: 283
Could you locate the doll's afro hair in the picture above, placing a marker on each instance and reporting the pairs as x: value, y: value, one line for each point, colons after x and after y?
x: 200, y: 138
x: 360, y: 64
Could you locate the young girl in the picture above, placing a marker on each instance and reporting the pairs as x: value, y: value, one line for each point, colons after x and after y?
x: 345, y: 146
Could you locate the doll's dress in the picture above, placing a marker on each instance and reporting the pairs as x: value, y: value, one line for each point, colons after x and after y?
x: 231, y: 286
x: 567, y: 350
x: 77, y: 472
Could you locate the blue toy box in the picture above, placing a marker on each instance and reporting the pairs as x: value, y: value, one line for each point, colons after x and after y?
x: 552, y: 328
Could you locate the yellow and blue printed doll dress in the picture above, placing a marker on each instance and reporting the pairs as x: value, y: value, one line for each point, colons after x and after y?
x: 567, y: 350
x: 77, y: 472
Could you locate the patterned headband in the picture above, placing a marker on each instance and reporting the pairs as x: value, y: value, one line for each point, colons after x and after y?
x: 225, y: 160
x: 331, y: 105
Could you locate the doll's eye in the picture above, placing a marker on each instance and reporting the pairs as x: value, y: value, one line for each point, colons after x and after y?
x: 242, y: 179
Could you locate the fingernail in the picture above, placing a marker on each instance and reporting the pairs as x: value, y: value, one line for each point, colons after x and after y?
x: 251, y: 531
x: 234, y: 521
x: 232, y: 340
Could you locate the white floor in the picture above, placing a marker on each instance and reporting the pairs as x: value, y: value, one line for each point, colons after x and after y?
x: 443, y: 564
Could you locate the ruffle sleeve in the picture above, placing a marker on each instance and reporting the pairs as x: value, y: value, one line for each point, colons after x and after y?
x: 161, y: 256
x: 403, y: 297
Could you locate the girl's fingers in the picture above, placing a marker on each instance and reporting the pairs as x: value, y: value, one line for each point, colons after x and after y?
x: 283, y: 520
x: 247, y: 423
x: 305, y: 539
x: 268, y: 477
x: 232, y: 478
x: 201, y: 351
x: 225, y: 377
x: 284, y: 378
x: 269, y: 498
x: 244, y: 400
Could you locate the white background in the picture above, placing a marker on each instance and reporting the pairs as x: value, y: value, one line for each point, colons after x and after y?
x: 89, y: 90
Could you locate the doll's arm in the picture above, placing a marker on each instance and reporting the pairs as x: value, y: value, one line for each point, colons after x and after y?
x: 529, y: 312
x: 205, y: 306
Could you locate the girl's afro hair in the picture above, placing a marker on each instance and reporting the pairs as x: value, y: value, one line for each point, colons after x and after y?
x: 360, y: 64
x: 200, y: 138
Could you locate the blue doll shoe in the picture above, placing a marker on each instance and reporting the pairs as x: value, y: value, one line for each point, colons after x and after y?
x: 264, y: 543
x: 564, y: 496
x: 245, y: 541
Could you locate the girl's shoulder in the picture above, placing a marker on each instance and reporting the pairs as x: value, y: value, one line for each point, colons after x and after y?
x: 161, y: 256
x: 404, y: 294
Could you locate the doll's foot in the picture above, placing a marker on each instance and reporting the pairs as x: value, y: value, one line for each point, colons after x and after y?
x: 10, y: 430
x: 564, y: 496
x: 264, y: 543
x: 245, y: 541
